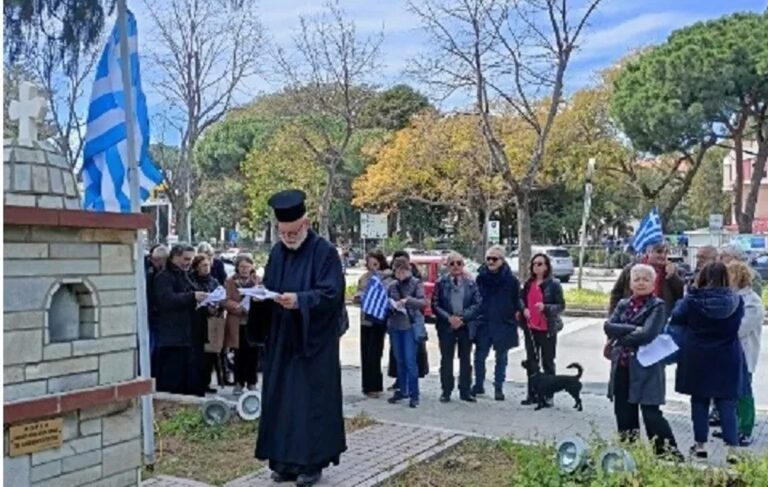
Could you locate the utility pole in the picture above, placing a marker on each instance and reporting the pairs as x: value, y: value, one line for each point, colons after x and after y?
x: 585, y: 216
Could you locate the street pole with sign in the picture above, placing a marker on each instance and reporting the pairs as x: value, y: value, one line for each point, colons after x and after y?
x: 585, y: 216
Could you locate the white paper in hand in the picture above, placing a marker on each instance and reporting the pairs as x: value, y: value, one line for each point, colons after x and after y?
x: 218, y: 295
x: 246, y: 303
x: 258, y: 293
x: 397, y: 306
x: 660, y: 348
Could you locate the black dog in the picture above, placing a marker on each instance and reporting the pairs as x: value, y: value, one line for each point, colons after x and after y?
x: 543, y: 385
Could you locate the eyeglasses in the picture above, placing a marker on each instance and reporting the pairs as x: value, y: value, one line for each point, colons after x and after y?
x: 456, y: 263
x: 292, y: 234
x: 492, y: 258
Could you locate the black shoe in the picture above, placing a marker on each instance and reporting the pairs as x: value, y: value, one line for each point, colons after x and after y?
x: 395, y: 398
x: 717, y: 434
x: 499, y: 395
x: 745, y: 440
x: 445, y: 398
x: 527, y: 402
x: 210, y: 390
x: 478, y: 391
x: 468, y: 398
x: 714, y: 421
x: 700, y: 454
x: 394, y: 387
x: 308, y: 479
x: 413, y: 404
x: 278, y: 478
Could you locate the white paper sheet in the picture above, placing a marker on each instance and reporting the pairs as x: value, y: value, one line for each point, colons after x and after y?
x: 397, y: 307
x: 660, y: 348
x: 246, y: 303
x: 258, y: 293
x: 218, y: 295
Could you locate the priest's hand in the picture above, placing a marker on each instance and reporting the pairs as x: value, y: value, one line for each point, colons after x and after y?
x: 288, y: 300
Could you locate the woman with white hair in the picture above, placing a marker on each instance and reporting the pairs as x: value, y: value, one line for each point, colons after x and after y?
x: 730, y: 253
x: 637, y: 321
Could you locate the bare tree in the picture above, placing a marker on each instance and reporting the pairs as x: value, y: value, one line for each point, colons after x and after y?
x: 511, y: 55
x: 205, y: 51
x: 325, y: 72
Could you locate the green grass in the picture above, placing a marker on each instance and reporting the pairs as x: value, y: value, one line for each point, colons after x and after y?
x: 586, y: 299
x: 487, y: 462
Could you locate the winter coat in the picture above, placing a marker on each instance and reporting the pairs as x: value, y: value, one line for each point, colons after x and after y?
x: 501, y: 303
x: 751, y: 326
x: 711, y: 361
x: 646, y: 384
x: 175, y: 304
x: 443, y: 309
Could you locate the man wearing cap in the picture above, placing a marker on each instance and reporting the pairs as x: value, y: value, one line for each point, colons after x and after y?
x: 301, y: 429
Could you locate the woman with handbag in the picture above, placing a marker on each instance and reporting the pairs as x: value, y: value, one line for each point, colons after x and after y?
x: 406, y: 329
x: 544, y: 302
x: 637, y: 321
x: 246, y: 353
x: 372, y: 330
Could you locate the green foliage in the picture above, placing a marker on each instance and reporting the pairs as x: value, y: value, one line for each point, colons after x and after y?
x: 219, y: 203
x: 188, y: 424
x: 392, y: 109
x: 585, y: 298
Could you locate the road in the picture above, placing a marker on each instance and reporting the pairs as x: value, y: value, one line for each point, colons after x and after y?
x: 581, y: 340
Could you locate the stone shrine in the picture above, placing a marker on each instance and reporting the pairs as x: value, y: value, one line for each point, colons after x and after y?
x: 70, y: 377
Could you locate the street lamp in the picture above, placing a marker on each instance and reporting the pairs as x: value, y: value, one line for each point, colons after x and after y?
x: 585, y: 215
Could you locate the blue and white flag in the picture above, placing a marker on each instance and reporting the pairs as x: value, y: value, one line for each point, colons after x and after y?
x: 105, y: 155
x: 375, y: 300
x: 649, y: 232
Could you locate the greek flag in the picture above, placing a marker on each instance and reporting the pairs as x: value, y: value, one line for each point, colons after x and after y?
x: 105, y: 155
x: 649, y: 232
x: 375, y: 300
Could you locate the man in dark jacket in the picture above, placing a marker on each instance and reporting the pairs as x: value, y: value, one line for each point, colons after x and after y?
x: 456, y: 305
x: 501, y: 303
x: 669, y: 286
x: 153, y: 264
x: 175, y: 302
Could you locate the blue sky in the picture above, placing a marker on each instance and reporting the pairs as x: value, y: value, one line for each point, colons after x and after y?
x: 618, y: 26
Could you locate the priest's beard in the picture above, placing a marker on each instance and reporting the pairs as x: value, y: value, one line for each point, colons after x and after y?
x: 300, y: 238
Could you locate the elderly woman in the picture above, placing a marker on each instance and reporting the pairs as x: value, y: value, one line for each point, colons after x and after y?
x: 730, y: 253
x: 500, y: 296
x: 456, y: 304
x: 246, y: 353
x: 637, y: 321
x: 406, y: 296
x: 217, y: 265
x: 201, y: 364
x: 710, y: 364
x: 543, y: 300
x: 372, y: 330
x: 750, y: 329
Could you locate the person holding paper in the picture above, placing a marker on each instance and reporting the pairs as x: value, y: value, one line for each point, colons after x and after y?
x: 201, y: 363
x: 301, y: 428
x: 637, y: 321
x: 246, y: 353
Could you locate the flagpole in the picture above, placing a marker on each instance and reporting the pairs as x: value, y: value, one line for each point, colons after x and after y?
x: 147, y: 412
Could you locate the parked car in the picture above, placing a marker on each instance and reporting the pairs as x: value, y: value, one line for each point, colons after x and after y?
x: 760, y: 264
x: 562, y: 263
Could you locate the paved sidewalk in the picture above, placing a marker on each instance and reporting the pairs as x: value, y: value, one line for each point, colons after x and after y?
x: 374, y: 454
x: 494, y: 419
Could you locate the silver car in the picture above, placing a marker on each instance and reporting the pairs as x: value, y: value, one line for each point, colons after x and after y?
x: 562, y: 263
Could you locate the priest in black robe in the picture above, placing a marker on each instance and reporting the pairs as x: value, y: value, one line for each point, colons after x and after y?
x: 301, y: 429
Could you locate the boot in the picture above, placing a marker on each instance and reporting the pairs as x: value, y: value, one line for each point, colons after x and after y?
x: 217, y: 366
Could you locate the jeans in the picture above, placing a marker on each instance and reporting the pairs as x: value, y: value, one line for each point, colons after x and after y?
x: 482, y: 350
x: 449, y: 341
x: 700, y: 415
x: 746, y: 409
x: 405, y: 347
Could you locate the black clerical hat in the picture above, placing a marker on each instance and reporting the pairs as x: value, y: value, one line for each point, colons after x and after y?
x: 288, y: 205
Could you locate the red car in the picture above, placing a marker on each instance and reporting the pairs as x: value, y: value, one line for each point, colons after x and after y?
x: 431, y: 268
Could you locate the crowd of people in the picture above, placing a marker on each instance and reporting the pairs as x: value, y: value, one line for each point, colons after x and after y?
x: 481, y: 313
x: 715, y: 319
x: 190, y: 343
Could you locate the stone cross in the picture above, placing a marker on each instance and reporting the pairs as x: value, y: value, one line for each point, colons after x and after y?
x: 28, y: 110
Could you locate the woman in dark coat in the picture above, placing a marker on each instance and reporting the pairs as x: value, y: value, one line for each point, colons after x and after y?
x: 497, y: 327
x: 711, y: 361
x: 637, y: 321
x: 199, y: 369
x: 543, y: 301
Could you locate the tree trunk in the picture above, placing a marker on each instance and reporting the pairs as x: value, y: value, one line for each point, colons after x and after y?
x: 666, y: 212
x: 180, y: 216
x: 738, y: 184
x: 324, y: 209
x: 522, y: 201
x: 758, y: 172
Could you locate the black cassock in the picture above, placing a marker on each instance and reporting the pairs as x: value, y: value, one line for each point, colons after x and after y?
x: 301, y: 428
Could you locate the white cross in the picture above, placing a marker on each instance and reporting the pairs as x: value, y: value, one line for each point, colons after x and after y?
x: 28, y: 110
